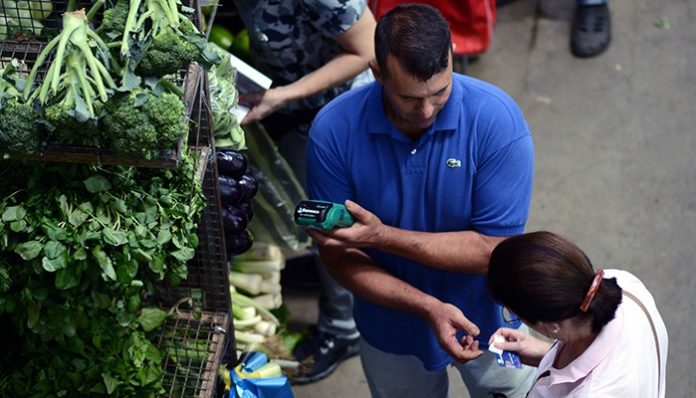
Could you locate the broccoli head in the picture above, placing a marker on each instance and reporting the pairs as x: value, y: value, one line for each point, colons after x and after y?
x: 67, y: 128
x: 114, y: 20
x: 143, y: 123
x: 19, y: 127
x: 169, y: 52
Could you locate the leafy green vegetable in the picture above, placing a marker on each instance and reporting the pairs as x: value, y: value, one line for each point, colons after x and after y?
x: 72, y: 289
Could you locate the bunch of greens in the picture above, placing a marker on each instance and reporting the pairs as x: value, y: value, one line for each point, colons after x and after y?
x: 223, y: 97
x: 80, y: 250
x: 19, y: 121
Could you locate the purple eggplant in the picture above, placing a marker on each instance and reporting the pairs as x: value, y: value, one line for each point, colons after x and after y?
x: 234, y: 220
x: 230, y: 191
x: 247, y: 208
x: 238, y: 244
x: 248, y: 186
x: 231, y: 163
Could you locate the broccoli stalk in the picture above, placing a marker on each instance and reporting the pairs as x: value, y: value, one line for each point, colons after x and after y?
x: 159, y: 40
x: 162, y: 14
x: 78, y: 72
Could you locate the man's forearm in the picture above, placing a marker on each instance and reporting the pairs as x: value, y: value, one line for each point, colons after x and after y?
x: 460, y: 251
x: 358, y: 273
x: 339, y: 70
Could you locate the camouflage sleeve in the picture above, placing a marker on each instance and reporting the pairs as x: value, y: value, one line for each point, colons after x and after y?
x: 334, y: 17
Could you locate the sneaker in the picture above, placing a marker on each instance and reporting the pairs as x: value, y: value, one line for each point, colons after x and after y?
x: 320, y: 354
x: 591, y: 30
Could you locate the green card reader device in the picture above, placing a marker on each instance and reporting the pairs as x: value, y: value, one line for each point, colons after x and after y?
x: 322, y: 215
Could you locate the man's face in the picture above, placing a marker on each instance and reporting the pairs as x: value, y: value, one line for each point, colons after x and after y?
x: 411, y: 104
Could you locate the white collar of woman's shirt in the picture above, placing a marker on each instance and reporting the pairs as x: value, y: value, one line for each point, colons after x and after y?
x: 577, y: 371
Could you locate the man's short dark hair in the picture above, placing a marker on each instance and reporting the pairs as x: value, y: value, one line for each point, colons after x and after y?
x: 418, y: 36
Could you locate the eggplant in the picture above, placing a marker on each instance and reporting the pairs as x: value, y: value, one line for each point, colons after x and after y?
x: 230, y: 191
x: 248, y: 186
x: 238, y: 244
x: 234, y: 220
x: 247, y: 208
x: 231, y: 163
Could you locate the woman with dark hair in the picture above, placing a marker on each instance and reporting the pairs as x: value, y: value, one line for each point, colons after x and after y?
x: 610, y: 340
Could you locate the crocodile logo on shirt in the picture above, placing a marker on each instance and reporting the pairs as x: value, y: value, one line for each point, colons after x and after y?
x: 452, y: 162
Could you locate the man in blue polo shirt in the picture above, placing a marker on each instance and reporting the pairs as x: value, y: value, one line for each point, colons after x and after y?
x: 436, y: 168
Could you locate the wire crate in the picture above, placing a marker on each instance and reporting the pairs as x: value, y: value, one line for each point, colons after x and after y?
x: 196, y: 341
x: 38, y: 19
x: 207, y: 283
x: 41, y: 20
x: 193, y: 346
x: 27, y: 52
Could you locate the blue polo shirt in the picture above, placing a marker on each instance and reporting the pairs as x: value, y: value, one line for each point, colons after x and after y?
x: 471, y: 170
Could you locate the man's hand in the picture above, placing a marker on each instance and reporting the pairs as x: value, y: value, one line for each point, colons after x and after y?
x: 367, y: 231
x: 263, y: 103
x: 529, y: 348
x: 447, y: 320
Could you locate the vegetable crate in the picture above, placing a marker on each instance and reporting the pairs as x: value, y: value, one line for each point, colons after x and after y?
x: 27, y: 52
x: 41, y: 20
x: 38, y: 19
x: 193, y: 345
x: 207, y: 283
x: 197, y: 339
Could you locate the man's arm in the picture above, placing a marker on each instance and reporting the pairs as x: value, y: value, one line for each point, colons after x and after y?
x: 357, y: 272
x: 358, y: 49
x: 457, y: 251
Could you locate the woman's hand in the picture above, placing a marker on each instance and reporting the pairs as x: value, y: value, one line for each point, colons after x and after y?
x: 529, y: 348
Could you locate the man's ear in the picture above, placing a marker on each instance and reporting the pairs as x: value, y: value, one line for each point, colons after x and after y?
x: 375, y: 70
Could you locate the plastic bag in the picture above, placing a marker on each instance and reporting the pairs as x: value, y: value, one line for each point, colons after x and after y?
x: 251, y: 379
x: 279, y: 192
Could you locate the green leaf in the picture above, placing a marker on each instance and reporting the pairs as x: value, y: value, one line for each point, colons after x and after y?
x: 97, y: 183
x: 77, y: 217
x: 63, y: 204
x: 53, y: 231
x: 18, y: 226
x: 53, y: 249
x: 157, y: 264
x: 131, y: 81
x: 119, y: 205
x: 80, y: 254
x: 104, y: 262
x: 29, y: 250
x: 114, y: 237
x: 110, y: 382
x: 81, y: 111
x: 13, y: 213
x: 148, y: 243
x: 151, y: 318
x: 52, y: 265
x: 126, y: 271
x: 164, y: 236
x: 184, y: 254
x: 33, y: 311
x: 66, y: 279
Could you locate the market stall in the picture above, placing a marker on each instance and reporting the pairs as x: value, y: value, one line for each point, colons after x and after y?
x: 113, y: 264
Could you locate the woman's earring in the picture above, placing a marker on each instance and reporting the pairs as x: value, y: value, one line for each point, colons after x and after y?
x: 555, y: 330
